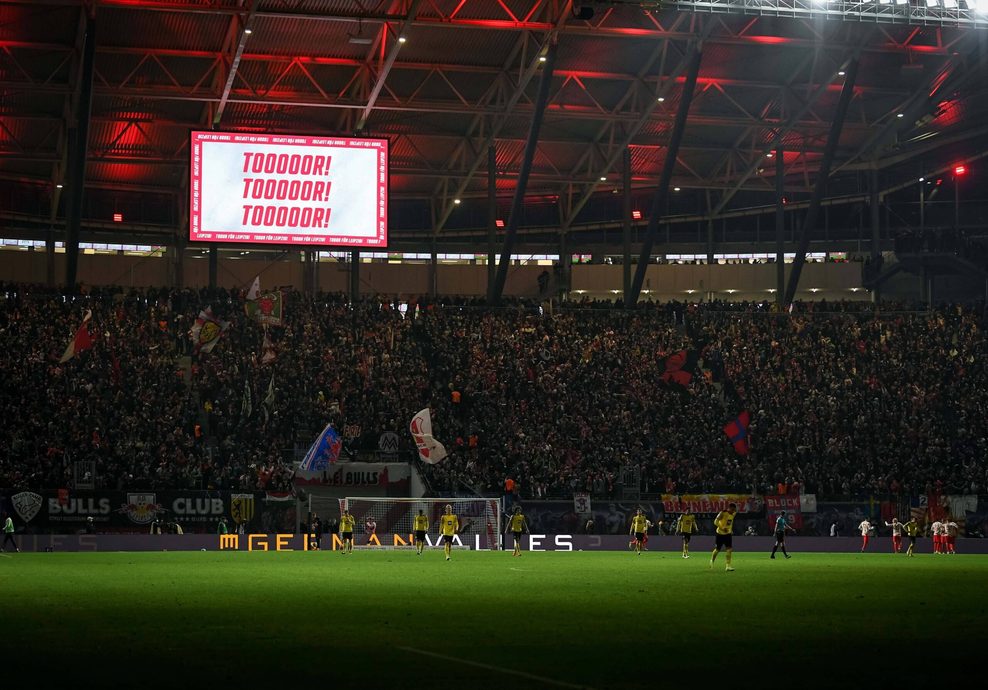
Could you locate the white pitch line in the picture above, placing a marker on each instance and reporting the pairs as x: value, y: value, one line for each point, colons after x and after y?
x: 520, y: 570
x: 489, y: 667
x: 6, y: 555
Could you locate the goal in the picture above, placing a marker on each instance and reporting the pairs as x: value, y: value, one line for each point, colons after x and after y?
x: 480, y: 518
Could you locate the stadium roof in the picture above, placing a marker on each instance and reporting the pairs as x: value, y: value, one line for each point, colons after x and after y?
x: 443, y: 79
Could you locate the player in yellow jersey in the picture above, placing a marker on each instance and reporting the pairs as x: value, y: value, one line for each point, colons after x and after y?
x: 517, y: 523
x: 346, y: 532
x: 724, y: 522
x: 686, y: 526
x: 639, y: 525
x: 421, y: 525
x: 912, y: 531
x: 449, y: 527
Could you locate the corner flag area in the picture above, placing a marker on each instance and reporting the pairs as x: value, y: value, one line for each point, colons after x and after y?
x: 590, y: 620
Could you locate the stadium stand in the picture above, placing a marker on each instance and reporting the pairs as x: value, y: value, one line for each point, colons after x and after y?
x: 843, y: 398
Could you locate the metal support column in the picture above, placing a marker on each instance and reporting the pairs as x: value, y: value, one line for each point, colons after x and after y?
x: 626, y: 235
x: 820, y: 189
x: 494, y: 291
x: 433, y: 269
x: 491, y: 216
x: 780, y: 224
x: 565, y: 266
x: 662, y: 191
x: 214, y: 254
x: 309, y: 272
x: 178, y: 261
x: 78, y: 148
x: 874, y: 201
x: 50, y: 257
x: 354, y: 276
x: 710, y: 241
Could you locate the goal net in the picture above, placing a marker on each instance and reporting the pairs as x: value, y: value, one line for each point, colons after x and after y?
x: 390, y: 519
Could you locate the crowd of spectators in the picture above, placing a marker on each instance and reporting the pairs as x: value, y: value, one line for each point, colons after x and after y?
x: 844, y: 398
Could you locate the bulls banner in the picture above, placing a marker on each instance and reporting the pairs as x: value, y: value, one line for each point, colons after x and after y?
x: 67, y: 511
x: 391, y: 478
x: 791, y: 504
x: 710, y: 504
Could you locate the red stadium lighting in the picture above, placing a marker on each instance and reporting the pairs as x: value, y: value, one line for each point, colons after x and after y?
x: 117, y: 217
x: 960, y: 170
x: 636, y: 214
x: 499, y: 223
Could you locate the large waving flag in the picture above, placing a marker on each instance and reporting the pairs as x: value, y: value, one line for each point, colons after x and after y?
x: 268, y: 353
x: 267, y: 309
x: 207, y: 330
x: 325, y: 450
x: 255, y: 289
x: 430, y: 450
x: 679, y: 368
x: 737, y: 432
x: 80, y: 341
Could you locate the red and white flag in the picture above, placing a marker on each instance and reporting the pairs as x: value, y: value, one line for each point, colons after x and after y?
x: 81, y: 341
x: 268, y: 353
x: 255, y: 289
x: 207, y: 330
x: 430, y: 450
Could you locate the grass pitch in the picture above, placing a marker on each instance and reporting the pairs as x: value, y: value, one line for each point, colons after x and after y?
x: 484, y: 620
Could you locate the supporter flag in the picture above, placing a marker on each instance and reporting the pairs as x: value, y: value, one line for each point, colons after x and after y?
x: 255, y: 289
x: 268, y: 354
x: 207, y: 331
x: 431, y: 451
x: 267, y: 309
x: 80, y: 341
x: 247, y: 403
x: 268, y: 401
x: 679, y: 368
x: 324, y: 451
x: 737, y: 432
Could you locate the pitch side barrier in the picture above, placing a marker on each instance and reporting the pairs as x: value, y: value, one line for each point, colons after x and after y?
x: 567, y: 543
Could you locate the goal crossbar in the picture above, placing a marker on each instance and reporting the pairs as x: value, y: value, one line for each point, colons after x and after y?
x: 383, y: 522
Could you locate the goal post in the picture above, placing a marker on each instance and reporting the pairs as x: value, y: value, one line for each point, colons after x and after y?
x: 480, y: 518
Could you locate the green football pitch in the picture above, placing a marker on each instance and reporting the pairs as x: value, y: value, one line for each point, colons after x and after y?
x: 396, y: 620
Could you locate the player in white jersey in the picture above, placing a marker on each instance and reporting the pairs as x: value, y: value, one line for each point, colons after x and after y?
x: 936, y: 529
x: 896, y: 534
x: 950, y: 530
x: 865, y: 528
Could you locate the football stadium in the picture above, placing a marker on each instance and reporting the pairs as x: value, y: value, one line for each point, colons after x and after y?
x: 493, y: 343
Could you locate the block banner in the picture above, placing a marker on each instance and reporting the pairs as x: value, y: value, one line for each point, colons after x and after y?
x: 790, y: 504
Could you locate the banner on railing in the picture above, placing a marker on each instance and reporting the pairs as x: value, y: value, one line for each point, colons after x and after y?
x: 711, y: 504
x: 134, y: 511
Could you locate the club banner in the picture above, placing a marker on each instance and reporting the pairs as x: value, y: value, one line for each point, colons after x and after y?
x: 711, y: 504
x: 66, y: 511
x: 791, y: 504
